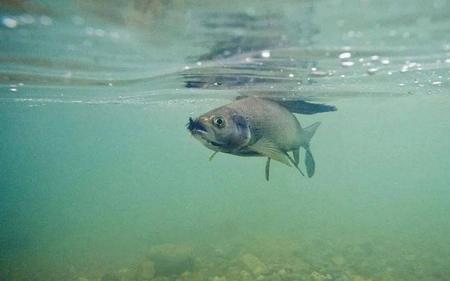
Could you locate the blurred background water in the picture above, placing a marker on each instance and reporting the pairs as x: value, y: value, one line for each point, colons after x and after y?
x: 97, y: 170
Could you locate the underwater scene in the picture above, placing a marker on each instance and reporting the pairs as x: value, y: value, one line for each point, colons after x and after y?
x: 125, y: 128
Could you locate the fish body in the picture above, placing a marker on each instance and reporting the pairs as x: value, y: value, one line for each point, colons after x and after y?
x: 254, y: 126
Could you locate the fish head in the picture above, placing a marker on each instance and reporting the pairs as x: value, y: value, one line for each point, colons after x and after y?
x: 221, y: 129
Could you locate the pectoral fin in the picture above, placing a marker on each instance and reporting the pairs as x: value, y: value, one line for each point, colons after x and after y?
x: 212, y: 155
x: 268, y: 148
x: 267, y: 168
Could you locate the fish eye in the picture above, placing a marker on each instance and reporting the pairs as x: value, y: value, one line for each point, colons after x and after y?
x: 219, y: 122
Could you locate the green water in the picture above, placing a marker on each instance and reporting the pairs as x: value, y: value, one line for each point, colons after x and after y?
x: 98, y: 172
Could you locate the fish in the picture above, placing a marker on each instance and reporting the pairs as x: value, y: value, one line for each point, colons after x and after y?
x: 254, y: 126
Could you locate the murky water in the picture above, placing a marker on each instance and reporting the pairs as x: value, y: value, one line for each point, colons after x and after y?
x: 99, y: 179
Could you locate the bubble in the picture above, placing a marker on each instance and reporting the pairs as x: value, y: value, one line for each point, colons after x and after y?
x: 291, y: 75
x: 114, y: 34
x: 372, y: 71
x: 26, y: 19
x: 10, y: 22
x: 345, y: 55
x: 436, y: 83
x: 447, y: 61
x: 265, y: 54
x: 199, y: 63
x: 375, y: 58
x: 100, y: 32
x: 318, y: 73
x: 45, y: 20
x: 347, y: 63
x: 385, y: 61
x: 13, y: 89
x: 67, y: 75
x: 77, y: 20
x: 89, y: 31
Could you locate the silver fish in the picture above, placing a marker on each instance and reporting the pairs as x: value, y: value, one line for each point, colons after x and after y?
x: 256, y: 127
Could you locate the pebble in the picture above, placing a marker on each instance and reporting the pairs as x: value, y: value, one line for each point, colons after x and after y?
x: 172, y: 259
x: 253, y: 264
x: 145, y: 271
x: 316, y: 276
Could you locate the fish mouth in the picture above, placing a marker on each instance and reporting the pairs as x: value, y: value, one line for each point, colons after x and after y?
x: 196, y: 127
x: 199, y: 130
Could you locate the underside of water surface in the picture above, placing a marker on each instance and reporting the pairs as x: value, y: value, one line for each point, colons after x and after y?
x: 100, y: 180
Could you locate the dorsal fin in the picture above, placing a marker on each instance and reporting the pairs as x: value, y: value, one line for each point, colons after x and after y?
x: 298, y: 105
x: 304, y: 107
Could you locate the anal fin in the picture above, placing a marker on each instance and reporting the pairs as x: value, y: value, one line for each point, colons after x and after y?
x: 268, y: 148
x: 296, y: 154
x: 295, y: 164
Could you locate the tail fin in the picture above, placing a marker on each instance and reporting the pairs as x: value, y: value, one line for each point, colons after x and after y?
x: 308, y: 133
